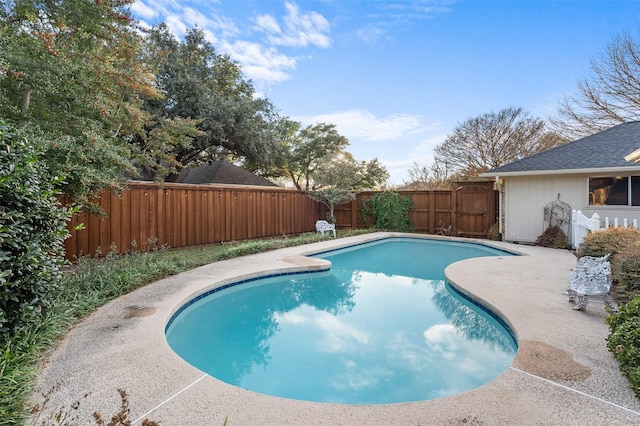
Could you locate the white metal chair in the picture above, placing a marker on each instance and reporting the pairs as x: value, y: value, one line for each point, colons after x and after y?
x: 323, y: 226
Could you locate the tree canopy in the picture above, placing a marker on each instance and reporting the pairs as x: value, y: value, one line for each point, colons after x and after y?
x: 199, y: 84
x: 493, y: 139
x: 71, y: 78
x: 337, y: 180
x: 308, y: 149
x: 610, y: 96
x: 422, y: 177
x: 104, y: 99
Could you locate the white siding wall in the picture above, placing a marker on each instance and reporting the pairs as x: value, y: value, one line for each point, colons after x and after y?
x: 526, y: 197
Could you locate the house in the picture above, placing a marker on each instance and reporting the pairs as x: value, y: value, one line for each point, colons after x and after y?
x: 595, y: 174
x: 221, y: 172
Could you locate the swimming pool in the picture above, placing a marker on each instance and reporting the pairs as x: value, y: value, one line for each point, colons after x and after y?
x: 381, y: 326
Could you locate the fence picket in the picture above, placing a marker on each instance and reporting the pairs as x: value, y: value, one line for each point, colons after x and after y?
x: 181, y: 215
x: 581, y: 225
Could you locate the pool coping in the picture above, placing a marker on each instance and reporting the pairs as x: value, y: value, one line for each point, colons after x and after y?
x: 562, y: 373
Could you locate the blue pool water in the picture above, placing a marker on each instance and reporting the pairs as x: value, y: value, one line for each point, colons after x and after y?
x: 381, y: 326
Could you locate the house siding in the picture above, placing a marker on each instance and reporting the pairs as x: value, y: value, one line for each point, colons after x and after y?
x: 526, y: 197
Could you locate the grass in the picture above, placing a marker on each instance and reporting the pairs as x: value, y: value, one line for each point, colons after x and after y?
x: 92, y: 283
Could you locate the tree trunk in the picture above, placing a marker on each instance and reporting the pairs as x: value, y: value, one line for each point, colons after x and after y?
x: 26, y: 100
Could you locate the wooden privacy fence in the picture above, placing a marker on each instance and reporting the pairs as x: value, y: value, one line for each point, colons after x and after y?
x: 470, y: 208
x: 180, y: 215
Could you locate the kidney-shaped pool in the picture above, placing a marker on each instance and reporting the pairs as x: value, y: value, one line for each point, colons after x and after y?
x: 380, y: 326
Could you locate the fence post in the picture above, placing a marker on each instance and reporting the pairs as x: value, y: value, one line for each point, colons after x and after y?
x: 454, y: 207
x: 431, y: 225
x: 581, y: 224
x: 354, y: 213
x: 574, y: 228
x: 595, y: 222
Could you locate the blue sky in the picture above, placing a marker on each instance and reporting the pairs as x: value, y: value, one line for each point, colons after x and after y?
x: 397, y: 76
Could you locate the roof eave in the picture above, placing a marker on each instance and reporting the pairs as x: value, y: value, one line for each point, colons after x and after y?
x: 614, y: 170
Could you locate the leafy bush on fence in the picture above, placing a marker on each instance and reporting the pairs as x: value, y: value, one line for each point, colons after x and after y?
x: 32, y: 231
x: 390, y: 210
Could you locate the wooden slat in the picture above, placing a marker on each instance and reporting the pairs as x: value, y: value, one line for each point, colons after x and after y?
x: 180, y: 215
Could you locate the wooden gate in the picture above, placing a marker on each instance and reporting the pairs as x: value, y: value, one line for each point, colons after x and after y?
x: 475, y: 208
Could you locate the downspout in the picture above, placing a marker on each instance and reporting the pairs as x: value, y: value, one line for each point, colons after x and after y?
x: 501, y: 213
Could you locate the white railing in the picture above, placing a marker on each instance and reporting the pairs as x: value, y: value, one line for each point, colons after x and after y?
x: 581, y: 225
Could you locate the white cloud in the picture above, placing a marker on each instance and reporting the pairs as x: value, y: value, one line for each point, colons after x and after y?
x: 210, y: 37
x: 355, y: 378
x: 371, y: 33
x: 421, y: 153
x: 470, y: 356
x: 334, y: 335
x: 141, y: 10
x: 426, y: 146
x: 390, y: 16
x: 196, y: 19
x: 264, y: 64
x: 261, y: 60
x: 362, y: 124
x: 298, y: 30
x: 176, y: 25
x: 268, y: 24
x: 371, y: 136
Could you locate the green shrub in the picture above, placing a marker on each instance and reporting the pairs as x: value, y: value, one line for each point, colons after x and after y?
x: 32, y: 232
x: 626, y: 272
x: 630, y: 272
x: 608, y: 241
x: 624, y: 341
x: 623, y: 244
x: 553, y: 237
x: 494, y: 232
x: 390, y: 210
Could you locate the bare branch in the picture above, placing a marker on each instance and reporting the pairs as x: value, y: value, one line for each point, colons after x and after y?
x: 610, y: 96
x: 493, y: 139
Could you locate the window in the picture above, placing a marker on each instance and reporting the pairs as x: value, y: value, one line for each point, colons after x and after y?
x: 614, y: 191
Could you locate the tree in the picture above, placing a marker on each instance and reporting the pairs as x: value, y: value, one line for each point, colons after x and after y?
x: 611, y: 96
x: 199, y: 84
x: 337, y: 180
x: 286, y: 134
x: 71, y: 79
x: 493, y: 139
x: 428, y: 178
x: 302, y: 151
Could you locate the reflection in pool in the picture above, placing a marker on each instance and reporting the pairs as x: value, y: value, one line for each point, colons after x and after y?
x: 382, y: 326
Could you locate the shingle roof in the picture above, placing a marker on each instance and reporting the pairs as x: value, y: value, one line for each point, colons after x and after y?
x: 604, y: 150
x: 221, y: 172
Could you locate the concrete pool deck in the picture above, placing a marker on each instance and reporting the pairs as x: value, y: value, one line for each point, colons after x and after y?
x: 562, y: 373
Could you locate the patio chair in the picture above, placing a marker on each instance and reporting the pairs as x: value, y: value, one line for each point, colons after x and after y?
x: 322, y: 226
x: 590, y: 278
